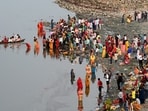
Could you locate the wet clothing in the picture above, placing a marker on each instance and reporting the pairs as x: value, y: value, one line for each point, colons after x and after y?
x: 79, y: 84
x: 72, y: 76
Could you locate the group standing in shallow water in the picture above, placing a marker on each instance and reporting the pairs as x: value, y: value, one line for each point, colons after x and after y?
x: 74, y: 37
x: 78, y: 37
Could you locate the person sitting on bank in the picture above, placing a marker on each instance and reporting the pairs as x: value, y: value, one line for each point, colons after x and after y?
x: 129, y: 19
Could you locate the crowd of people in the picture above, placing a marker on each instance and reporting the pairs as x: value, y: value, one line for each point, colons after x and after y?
x: 82, y: 35
x: 138, y: 16
x: 14, y: 38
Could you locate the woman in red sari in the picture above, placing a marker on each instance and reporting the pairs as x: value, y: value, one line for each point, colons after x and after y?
x: 79, y: 84
x: 126, y: 59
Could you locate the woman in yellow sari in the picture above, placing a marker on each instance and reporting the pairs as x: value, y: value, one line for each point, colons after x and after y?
x: 51, y: 44
x: 104, y: 52
x: 127, y: 44
x: 92, y: 59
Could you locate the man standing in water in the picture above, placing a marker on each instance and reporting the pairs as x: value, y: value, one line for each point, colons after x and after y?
x: 80, y: 93
x: 100, y: 85
x: 79, y: 84
x: 72, y: 76
x: 52, y: 24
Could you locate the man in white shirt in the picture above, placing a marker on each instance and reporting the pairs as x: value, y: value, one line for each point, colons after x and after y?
x: 107, y: 81
x: 120, y: 96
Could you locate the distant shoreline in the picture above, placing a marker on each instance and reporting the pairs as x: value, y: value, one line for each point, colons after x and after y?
x: 112, y: 20
x: 90, y: 10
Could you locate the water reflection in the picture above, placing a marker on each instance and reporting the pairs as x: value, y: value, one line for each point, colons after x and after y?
x: 80, y: 59
x: 87, y: 85
x: 28, y: 47
x: 72, y: 57
x: 5, y: 46
x: 51, y: 53
x: 11, y: 45
x: 80, y: 100
x: 99, y: 99
x: 27, y: 50
x: 93, y: 71
x: 36, y: 51
x: 72, y: 76
x: 44, y: 52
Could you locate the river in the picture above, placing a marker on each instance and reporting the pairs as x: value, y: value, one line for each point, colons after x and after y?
x: 31, y: 82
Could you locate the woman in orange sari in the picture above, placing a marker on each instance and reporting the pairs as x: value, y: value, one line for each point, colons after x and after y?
x: 36, y: 47
x: 40, y: 29
x: 51, y: 44
x: 136, y: 70
x: 123, y: 48
x: 88, y: 70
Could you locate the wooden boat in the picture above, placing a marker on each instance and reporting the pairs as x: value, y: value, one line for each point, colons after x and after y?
x: 6, y: 42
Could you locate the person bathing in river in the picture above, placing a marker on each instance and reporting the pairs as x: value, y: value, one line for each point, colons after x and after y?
x: 93, y: 73
x: 72, y: 76
x: 79, y: 84
x: 36, y: 46
x: 88, y: 70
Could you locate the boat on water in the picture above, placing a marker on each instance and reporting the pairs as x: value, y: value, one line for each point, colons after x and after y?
x: 10, y: 42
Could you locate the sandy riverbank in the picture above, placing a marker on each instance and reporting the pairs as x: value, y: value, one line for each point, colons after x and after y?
x: 105, y: 7
x: 111, y: 19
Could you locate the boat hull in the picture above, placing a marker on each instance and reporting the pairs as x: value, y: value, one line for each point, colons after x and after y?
x: 22, y: 40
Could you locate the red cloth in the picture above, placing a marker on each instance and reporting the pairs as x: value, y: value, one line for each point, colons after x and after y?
x: 41, y: 31
x: 57, y: 43
x: 109, y: 48
x: 79, y: 84
x: 144, y: 71
x: 28, y: 45
x: 136, y: 82
x: 100, y: 83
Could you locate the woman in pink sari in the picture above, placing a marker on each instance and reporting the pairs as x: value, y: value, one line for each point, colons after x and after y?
x: 122, y: 47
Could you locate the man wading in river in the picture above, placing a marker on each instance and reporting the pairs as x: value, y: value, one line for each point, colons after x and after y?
x: 72, y: 76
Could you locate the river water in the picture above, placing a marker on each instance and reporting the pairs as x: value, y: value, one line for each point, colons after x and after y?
x: 31, y: 82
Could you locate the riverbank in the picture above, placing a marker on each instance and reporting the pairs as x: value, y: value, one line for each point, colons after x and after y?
x: 105, y: 7
x: 111, y: 19
x: 126, y: 70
